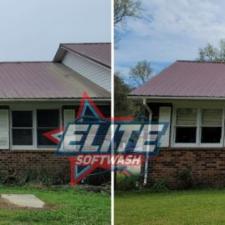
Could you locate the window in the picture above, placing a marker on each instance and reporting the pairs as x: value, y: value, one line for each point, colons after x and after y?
x: 211, y: 126
x: 47, y: 120
x: 22, y: 128
x: 186, y: 125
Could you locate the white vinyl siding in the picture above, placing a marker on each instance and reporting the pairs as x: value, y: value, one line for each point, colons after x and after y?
x: 4, y: 129
x: 165, y: 117
x: 98, y: 74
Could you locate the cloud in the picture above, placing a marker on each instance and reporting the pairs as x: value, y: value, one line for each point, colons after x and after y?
x: 177, y: 30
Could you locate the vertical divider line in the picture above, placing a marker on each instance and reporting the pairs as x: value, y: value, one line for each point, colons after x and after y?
x: 112, y: 113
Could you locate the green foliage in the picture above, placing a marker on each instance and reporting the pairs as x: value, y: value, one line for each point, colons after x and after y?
x: 123, y: 105
x: 126, y: 183
x: 159, y: 186
x: 65, y: 206
x: 98, y: 177
x: 185, y: 178
x: 211, y: 53
x: 37, y: 176
x: 140, y: 73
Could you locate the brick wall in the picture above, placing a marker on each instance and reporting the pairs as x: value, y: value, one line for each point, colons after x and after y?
x: 20, y: 164
x: 207, y: 166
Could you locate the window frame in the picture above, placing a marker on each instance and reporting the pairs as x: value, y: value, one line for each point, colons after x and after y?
x: 219, y: 144
x: 175, y: 127
x: 52, y: 128
x: 34, y: 128
x: 198, y: 143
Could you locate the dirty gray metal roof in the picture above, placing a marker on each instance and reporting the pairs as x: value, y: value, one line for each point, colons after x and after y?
x: 187, y: 79
x: 97, y: 52
x: 44, y: 80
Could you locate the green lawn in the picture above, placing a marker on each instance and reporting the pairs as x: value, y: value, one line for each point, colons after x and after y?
x: 206, y: 207
x: 67, y: 207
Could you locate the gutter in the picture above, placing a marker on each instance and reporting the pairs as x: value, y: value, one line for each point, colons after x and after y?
x: 50, y: 99
x: 147, y: 155
x: 175, y: 97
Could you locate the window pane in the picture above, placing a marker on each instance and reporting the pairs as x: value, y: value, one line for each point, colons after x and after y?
x: 186, y: 116
x: 42, y: 140
x: 185, y: 135
x: 22, y: 118
x: 47, y: 118
x: 211, y: 117
x: 22, y: 137
x: 211, y: 134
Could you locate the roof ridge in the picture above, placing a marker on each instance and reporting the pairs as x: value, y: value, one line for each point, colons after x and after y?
x: 5, y: 62
x: 85, y: 43
x: 199, y: 61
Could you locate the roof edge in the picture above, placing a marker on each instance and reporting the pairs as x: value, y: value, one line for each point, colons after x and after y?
x: 62, y: 50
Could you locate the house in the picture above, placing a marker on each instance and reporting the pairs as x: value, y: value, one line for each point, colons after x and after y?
x: 190, y: 97
x: 36, y: 97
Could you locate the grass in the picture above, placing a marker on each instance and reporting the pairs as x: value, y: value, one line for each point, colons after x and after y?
x: 202, y: 207
x: 70, y: 207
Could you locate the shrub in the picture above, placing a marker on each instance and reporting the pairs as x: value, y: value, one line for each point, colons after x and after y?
x: 98, y: 177
x: 124, y: 183
x: 184, y: 178
x: 159, y: 186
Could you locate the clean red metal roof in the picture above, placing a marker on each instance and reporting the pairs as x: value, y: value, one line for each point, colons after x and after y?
x: 98, y: 52
x: 38, y: 80
x: 187, y: 79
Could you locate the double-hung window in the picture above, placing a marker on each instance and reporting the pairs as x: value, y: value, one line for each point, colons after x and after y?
x: 186, y: 125
x: 47, y: 120
x: 29, y: 127
x: 22, y: 128
x: 199, y: 127
x: 211, y: 126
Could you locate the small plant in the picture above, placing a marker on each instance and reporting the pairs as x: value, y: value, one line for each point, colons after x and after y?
x: 160, y: 186
x: 185, y: 178
x: 125, y: 183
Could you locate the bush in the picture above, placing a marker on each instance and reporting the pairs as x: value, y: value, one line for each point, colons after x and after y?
x: 184, y: 178
x: 159, y: 186
x: 98, y: 177
x: 124, y: 183
x: 33, y: 175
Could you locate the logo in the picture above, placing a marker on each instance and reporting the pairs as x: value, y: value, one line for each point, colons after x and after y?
x: 93, y: 141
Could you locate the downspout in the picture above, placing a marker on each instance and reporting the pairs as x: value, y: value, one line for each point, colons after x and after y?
x: 147, y: 155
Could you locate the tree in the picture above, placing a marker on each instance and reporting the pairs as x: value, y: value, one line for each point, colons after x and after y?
x: 140, y: 73
x: 211, y: 53
x: 123, y: 105
x: 124, y: 9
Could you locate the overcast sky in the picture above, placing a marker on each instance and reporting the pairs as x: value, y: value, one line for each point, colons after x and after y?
x: 32, y: 29
x: 178, y: 28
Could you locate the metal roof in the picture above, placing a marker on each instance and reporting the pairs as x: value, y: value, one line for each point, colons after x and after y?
x: 44, y: 80
x: 187, y: 79
x: 97, y: 52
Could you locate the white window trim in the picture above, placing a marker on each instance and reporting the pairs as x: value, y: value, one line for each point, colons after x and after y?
x: 34, y: 146
x: 198, y: 143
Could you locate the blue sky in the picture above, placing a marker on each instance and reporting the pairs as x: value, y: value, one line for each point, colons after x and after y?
x: 33, y: 29
x: 176, y: 31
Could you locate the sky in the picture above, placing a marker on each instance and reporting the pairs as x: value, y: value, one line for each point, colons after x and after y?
x: 172, y: 30
x: 33, y: 29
